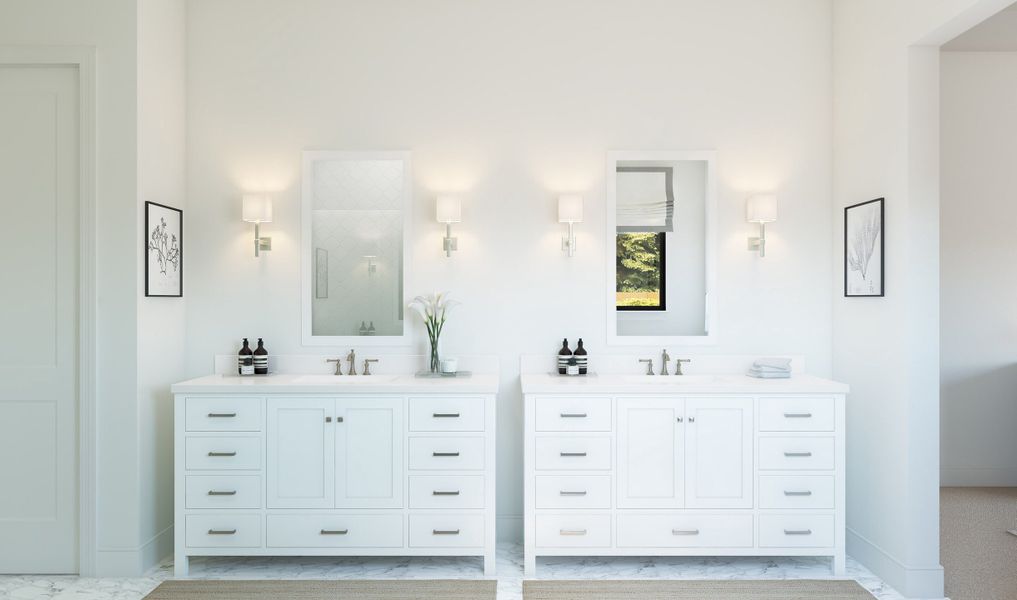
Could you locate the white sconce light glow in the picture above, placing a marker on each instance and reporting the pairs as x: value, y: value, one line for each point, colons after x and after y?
x: 257, y: 209
x: 761, y: 209
x: 570, y: 211
x: 448, y: 210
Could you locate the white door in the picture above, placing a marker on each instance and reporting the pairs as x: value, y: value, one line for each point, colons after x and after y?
x: 651, y: 454
x: 300, y: 463
x: 39, y: 188
x: 369, y: 453
x: 718, y: 444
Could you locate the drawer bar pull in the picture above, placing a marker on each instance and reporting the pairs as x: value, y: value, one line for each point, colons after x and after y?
x: 793, y: 493
x: 222, y: 493
x: 334, y: 531
x: 233, y: 453
x: 567, y: 493
x: 797, y: 532
x: 798, y: 415
x: 797, y: 454
x: 222, y: 415
x: 573, y: 415
x: 684, y: 532
x: 445, y: 415
x: 444, y: 532
x: 444, y: 454
x: 222, y: 531
x: 572, y: 532
x: 572, y: 453
x: 439, y: 493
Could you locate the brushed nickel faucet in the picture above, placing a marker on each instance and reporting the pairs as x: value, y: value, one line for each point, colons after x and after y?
x: 353, y: 363
x: 678, y: 365
x: 649, y: 365
x: 665, y: 357
x: 367, y: 365
x: 338, y: 364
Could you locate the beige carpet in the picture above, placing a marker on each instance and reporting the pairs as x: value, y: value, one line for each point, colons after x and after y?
x: 349, y: 589
x: 979, y: 556
x: 802, y: 589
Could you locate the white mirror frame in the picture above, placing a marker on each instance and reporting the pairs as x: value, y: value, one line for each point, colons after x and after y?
x: 710, y: 318
x: 307, y: 260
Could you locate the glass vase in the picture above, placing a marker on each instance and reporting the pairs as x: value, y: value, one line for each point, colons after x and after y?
x: 435, y: 359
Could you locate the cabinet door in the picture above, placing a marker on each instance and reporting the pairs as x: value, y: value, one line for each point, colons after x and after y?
x: 369, y: 453
x: 718, y: 444
x: 299, y: 465
x: 650, y: 453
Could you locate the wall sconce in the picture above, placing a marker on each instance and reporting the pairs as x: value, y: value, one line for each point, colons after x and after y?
x: 762, y: 209
x: 258, y: 210
x: 570, y: 210
x: 449, y: 210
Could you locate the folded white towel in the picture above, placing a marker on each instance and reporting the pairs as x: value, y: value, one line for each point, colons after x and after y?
x: 760, y: 374
x: 766, y: 369
x: 783, y: 364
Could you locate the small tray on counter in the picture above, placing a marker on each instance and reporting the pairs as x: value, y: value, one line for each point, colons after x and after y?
x: 439, y: 375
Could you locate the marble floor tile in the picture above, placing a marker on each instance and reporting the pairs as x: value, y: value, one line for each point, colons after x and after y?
x: 510, y: 573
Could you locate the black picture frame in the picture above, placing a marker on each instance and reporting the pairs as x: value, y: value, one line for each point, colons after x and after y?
x: 662, y: 307
x: 857, y: 244
x: 167, y: 279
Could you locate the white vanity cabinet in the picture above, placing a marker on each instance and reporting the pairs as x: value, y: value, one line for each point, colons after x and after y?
x: 733, y: 467
x: 398, y: 468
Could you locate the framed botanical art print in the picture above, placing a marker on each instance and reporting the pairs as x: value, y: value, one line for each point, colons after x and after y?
x: 863, y: 249
x: 164, y: 248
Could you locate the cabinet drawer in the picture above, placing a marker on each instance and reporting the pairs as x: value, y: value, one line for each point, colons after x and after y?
x: 222, y: 453
x: 446, y: 454
x: 222, y: 491
x: 451, y: 491
x: 796, y: 531
x: 335, y: 531
x: 573, y: 531
x: 684, y: 531
x: 796, y: 414
x: 447, y: 414
x: 796, y: 453
x: 573, y: 414
x: 573, y: 454
x: 796, y: 491
x: 223, y: 530
x: 446, y: 531
x: 222, y: 414
x: 573, y: 491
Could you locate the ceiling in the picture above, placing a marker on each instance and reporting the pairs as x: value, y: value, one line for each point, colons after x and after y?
x: 998, y: 33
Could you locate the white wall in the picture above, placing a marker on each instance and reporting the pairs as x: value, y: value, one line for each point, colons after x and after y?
x: 886, y: 126
x: 978, y: 370
x: 508, y: 105
x: 161, y: 325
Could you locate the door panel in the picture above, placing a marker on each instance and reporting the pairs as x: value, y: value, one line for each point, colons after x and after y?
x: 300, y: 465
x: 39, y: 196
x: 650, y: 453
x: 718, y: 465
x: 369, y: 453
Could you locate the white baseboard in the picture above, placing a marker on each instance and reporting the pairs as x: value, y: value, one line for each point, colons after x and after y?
x: 510, y: 528
x: 134, y: 562
x: 911, y: 581
x: 977, y: 477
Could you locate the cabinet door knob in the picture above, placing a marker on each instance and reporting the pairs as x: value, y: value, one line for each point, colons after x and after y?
x: 679, y: 419
x: 328, y: 419
x: 692, y: 419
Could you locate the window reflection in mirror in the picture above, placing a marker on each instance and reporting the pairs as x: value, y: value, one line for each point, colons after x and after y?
x: 660, y: 247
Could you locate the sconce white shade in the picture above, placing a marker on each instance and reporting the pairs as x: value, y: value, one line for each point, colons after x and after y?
x: 448, y: 209
x: 761, y: 208
x: 257, y: 209
x: 570, y: 209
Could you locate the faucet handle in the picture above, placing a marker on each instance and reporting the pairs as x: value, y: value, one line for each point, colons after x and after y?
x: 338, y: 364
x: 678, y: 365
x: 367, y: 365
x: 649, y: 365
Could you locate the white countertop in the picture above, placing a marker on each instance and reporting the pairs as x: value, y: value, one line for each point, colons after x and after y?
x: 478, y: 383
x: 547, y: 383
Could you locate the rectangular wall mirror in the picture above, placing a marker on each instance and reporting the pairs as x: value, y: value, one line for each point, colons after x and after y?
x: 355, y: 221
x: 660, y: 221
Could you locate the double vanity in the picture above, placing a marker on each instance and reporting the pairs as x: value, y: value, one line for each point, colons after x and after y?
x: 320, y: 465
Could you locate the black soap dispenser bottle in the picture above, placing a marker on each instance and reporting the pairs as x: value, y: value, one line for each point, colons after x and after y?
x: 261, y: 359
x: 563, y: 357
x: 581, y: 357
x: 245, y: 360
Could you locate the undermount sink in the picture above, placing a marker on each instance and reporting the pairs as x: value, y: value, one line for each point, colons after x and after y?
x: 670, y: 379
x: 345, y: 379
